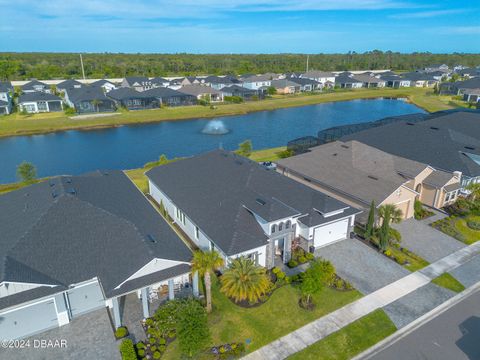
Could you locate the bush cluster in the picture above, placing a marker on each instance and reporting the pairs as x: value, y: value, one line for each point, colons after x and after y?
x: 127, y: 350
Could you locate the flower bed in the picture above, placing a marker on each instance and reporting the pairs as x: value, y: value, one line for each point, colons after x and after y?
x: 227, y: 351
x: 299, y: 257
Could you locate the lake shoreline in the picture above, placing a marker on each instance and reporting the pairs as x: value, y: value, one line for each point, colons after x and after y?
x: 140, y: 117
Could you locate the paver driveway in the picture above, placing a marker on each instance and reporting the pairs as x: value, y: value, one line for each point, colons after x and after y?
x: 89, y: 336
x: 425, y: 241
x: 362, y: 266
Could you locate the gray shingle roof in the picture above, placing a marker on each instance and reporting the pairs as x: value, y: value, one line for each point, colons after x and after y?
x: 86, y: 93
x: 6, y: 86
x: 161, y: 92
x: 72, y: 229
x: 137, y: 79
x: 196, y: 90
x: 37, y: 96
x: 125, y: 93
x: 283, y: 83
x: 30, y: 85
x: 216, y: 189
x: 70, y: 83
x: 444, y: 142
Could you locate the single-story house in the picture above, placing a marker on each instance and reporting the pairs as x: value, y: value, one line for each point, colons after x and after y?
x: 133, y: 99
x: 72, y: 245
x: 236, y: 206
x: 170, y: 97
x: 6, y: 97
x: 35, y: 85
x: 437, y: 67
x: 243, y: 92
x: 460, y: 87
x: 89, y: 99
x: 358, y: 174
x: 202, y: 92
x: 420, y: 79
x: 395, y: 81
x: 348, y: 81
x: 447, y: 142
x: 68, y: 84
x: 469, y: 72
x: 320, y: 76
x: 285, y: 86
x: 36, y: 102
x: 5, y: 107
x: 139, y: 83
x: 471, y: 95
x: 104, y: 84
x: 255, y: 82
x: 370, y: 81
x: 307, y: 85
x: 220, y: 82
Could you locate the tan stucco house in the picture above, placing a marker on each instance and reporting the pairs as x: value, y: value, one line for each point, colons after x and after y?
x: 357, y: 174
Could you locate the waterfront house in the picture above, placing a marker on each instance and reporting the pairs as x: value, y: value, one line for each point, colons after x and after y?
x: 89, y: 99
x: 395, y: 81
x: 35, y: 85
x: 370, y: 81
x: 356, y: 174
x: 420, y: 79
x: 68, y: 84
x: 73, y: 245
x: 460, y: 87
x: 284, y: 86
x: 37, y: 102
x: 306, y: 85
x: 348, y: 81
x: 243, y: 92
x: 170, y: 97
x: 104, y: 84
x: 202, y: 92
x: 236, y: 206
x: 6, y: 97
x: 255, y: 82
x: 320, y: 76
x: 132, y: 99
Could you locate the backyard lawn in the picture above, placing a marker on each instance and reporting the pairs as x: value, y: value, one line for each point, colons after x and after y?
x: 261, y: 325
x: 351, y: 340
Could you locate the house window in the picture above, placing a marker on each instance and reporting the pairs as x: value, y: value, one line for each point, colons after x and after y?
x: 274, y: 228
x: 212, y: 246
x: 287, y: 224
x: 42, y: 106
x: 280, y: 227
x: 253, y: 257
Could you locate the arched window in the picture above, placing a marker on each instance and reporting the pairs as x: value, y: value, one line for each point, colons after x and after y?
x: 274, y: 228
x: 280, y: 226
x: 287, y: 224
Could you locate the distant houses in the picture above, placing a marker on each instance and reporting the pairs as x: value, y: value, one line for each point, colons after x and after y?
x: 37, y: 102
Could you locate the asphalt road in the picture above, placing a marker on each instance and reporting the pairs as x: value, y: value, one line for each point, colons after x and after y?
x: 452, y: 335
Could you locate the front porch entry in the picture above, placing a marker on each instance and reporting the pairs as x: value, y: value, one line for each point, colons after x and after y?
x: 279, y: 249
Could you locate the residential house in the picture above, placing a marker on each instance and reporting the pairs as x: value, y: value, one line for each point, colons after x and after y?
x: 358, y: 174
x: 73, y: 245
x: 37, y: 102
x: 202, y: 92
x: 346, y: 80
x: 160, y: 82
x: 243, y: 92
x: 307, y: 85
x: 139, y: 83
x: 69, y: 84
x: 285, y: 86
x: 447, y: 142
x: 236, y: 206
x: 35, y: 85
x: 370, y: 81
x: 133, y: 99
x: 469, y: 72
x: 170, y: 97
x: 420, y: 79
x: 104, y: 84
x: 472, y: 96
x: 395, y: 81
x: 6, y: 97
x: 437, y: 67
x: 219, y: 82
x: 255, y: 82
x: 89, y: 99
x: 320, y: 76
x: 460, y: 87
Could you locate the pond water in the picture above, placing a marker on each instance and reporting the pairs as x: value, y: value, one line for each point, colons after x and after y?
x: 75, y: 152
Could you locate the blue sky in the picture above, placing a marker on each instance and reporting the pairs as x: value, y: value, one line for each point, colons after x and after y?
x: 239, y: 26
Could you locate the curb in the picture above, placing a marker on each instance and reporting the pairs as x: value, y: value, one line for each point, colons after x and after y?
x: 414, y: 325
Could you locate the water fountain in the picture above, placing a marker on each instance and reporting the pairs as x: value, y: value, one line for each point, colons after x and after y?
x: 215, y: 127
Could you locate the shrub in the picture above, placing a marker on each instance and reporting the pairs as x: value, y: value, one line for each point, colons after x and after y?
x: 153, y: 348
x: 157, y: 355
x: 149, y: 322
x: 152, y: 340
x: 292, y: 263
x: 140, y: 345
x: 302, y: 259
x: 474, y: 225
x: 192, y: 328
x: 276, y: 270
x: 309, y: 256
x: 141, y: 352
x: 121, y: 332
x: 388, y: 252
x: 281, y: 275
x: 171, y: 334
x: 222, y: 349
x: 127, y: 350
x: 162, y: 341
x: 162, y: 348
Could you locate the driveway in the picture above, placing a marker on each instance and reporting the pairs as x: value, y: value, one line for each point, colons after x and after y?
x: 425, y: 241
x: 89, y: 336
x: 362, y: 266
x: 469, y: 273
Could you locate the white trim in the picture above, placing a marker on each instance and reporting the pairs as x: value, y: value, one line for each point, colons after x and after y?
x: 25, y: 283
x: 29, y: 304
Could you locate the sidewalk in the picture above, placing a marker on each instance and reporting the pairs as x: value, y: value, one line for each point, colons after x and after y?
x: 326, y: 325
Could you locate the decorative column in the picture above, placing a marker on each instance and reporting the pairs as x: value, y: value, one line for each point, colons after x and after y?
x: 116, y: 313
x: 287, y: 247
x: 146, y: 312
x: 195, y: 284
x: 171, y: 294
x: 270, y: 255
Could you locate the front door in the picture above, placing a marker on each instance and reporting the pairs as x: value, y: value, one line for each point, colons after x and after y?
x: 279, y: 246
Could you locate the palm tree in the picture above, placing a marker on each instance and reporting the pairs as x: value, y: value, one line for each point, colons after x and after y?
x: 474, y: 189
x: 389, y: 214
x: 244, y: 280
x: 206, y: 262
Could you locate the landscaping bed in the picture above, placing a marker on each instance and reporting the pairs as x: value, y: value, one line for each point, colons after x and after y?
x: 463, y: 228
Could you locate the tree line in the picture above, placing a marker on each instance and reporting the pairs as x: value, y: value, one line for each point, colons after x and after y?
x: 23, y: 66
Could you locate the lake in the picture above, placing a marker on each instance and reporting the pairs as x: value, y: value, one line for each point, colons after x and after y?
x: 75, y: 152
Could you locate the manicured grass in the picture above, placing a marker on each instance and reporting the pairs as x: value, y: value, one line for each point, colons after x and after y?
x: 414, y: 262
x: 470, y: 235
x: 449, y: 282
x: 18, y: 124
x: 4, y: 188
x: 267, y: 154
x: 351, y: 340
x: 271, y: 320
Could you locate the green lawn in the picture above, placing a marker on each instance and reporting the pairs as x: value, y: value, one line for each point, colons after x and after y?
x: 449, y: 282
x: 18, y: 124
x: 414, y: 262
x: 267, y: 154
x: 351, y: 340
x: 271, y: 320
x: 470, y: 235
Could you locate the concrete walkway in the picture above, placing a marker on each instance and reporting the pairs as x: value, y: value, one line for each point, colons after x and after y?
x: 324, y: 326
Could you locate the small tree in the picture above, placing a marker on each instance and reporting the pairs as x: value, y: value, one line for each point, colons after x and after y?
x: 127, y: 350
x: 271, y: 90
x: 192, y: 329
x: 474, y: 189
x: 389, y: 213
x: 245, y: 148
x: 319, y: 273
x: 26, y: 172
x: 206, y: 263
x: 370, y: 228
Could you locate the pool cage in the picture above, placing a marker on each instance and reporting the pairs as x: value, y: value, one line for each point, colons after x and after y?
x: 302, y: 145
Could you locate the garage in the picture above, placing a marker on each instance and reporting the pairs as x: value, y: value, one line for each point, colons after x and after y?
x: 327, y: 234
x: 85, y: 298
x: 404, y: 206
x: 28, y: 320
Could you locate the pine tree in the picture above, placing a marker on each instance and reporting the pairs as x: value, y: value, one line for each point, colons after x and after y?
x: 371, y: 222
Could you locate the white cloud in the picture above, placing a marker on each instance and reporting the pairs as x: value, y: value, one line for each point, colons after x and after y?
x: 427, y: 14
x: 457, y: 30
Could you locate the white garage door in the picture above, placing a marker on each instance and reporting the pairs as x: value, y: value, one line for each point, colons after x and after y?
x: 28, y: 320
x: 324, y: 235
x: 85, y: 298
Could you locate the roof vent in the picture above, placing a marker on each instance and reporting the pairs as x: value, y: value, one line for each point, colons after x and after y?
x: 69, y: 180
x: 151, y: 238
x: 410, y: 124
x: 434, y: 128
x: 260, y: 201
x: 52, y: 183
x: 345, y: 146
x: 372, y: 177
x: 334, y: 154
x: 469, y: 148
x: 54, y: 194
x: 71, y: 191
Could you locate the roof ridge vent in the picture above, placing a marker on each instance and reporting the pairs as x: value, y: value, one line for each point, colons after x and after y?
x: 372, y: 177
x: 469, y: 147
x: 434, y: 128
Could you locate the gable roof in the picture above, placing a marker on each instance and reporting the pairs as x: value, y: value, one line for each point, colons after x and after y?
x: 305, y: 81
x: 70, y: 83
x: 6, y: 86
x: 357, y: 170
x: 449, y: 142
x: 140, y: 80
x: 237, y: 89
x: 283, y: 83
x: 221, y: 191
x: 317, y: 74
x: 126, y: 93
x: 197, y: 90
x: 30, y: 85
x: 72, y: 229
x: 161, y: 92
x: 101, y: 82
x: 37, y: 96
x: 346, y: 78
x: 86, y: 93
